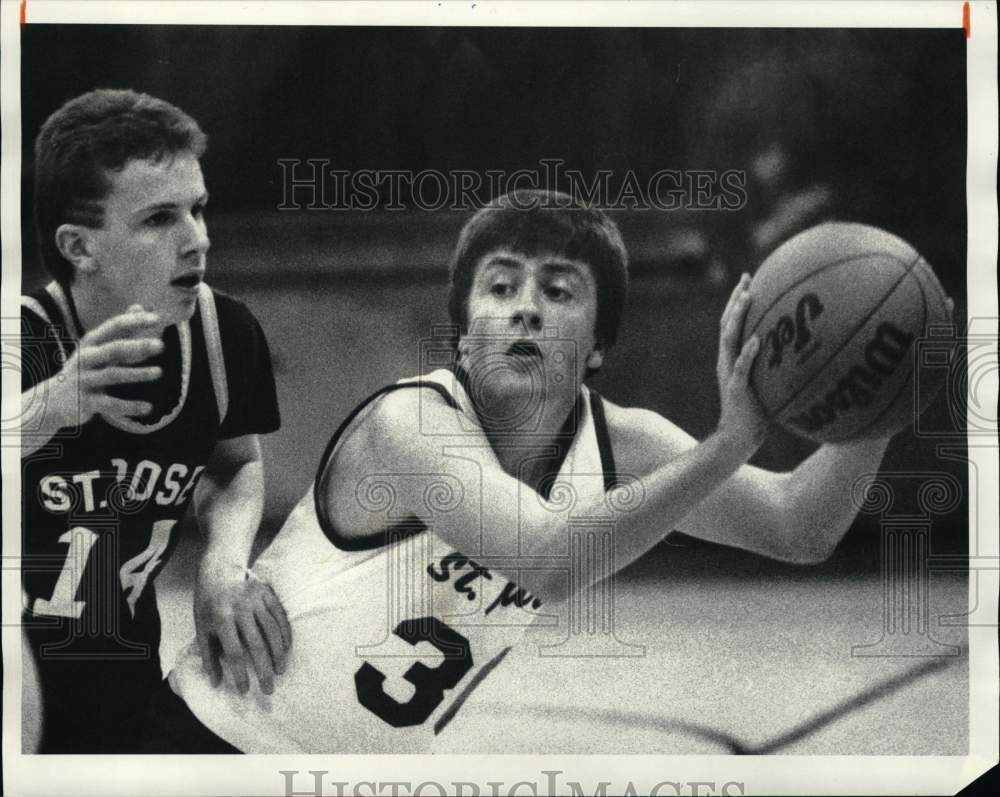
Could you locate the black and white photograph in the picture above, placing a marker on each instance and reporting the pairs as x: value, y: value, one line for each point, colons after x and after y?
x: 494, y: 399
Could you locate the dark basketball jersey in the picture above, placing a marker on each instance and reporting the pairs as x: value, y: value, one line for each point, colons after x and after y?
x: 100, y: 501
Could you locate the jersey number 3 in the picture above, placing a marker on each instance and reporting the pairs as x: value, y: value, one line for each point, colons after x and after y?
x: 430, y: 683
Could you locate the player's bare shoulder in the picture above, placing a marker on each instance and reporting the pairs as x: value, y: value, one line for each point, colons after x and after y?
x: 368, y: 443
x: 642, y: 439
x: 396, y: 432
x: 392, y: 424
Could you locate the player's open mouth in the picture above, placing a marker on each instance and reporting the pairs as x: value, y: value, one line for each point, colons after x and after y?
x: 524, y: 348
x: 189, y: 281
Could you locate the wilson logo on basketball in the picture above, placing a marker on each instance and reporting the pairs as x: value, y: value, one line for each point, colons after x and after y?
x: 857, y: 388
x: 797, y: 332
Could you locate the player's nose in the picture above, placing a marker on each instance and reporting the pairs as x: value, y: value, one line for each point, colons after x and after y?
x: 196, y: 240
x: 528, y: 311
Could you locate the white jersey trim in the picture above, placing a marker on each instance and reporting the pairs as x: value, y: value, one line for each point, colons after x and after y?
x: 54, y: 289
x: 213, y: 347
x: 36, y: 307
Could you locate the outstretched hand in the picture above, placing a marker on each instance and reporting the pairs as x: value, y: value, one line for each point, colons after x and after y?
x: 240, y: 625
x: 742, y: 419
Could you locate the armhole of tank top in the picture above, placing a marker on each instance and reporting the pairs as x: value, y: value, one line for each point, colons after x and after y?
x: 393, y: 533
x: 603, y: 442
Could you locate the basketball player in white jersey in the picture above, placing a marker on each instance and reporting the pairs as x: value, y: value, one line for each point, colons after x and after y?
x: 438, y: 525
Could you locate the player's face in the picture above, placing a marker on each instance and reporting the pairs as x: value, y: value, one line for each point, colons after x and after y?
x: 151, y: 248
x: 531, y: 316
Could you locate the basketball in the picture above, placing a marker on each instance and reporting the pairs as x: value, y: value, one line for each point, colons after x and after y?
x: 840, y: 309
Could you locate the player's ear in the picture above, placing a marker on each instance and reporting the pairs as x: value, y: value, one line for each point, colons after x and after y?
x: 76, y: 244
x: 596, y: 358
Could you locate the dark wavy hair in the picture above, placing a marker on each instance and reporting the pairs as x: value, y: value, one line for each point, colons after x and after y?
x: 88, y: 137
x: 535, y: 222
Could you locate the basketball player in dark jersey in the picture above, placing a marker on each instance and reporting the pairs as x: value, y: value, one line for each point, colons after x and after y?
x: 438, y: 526
x: 145, y: 393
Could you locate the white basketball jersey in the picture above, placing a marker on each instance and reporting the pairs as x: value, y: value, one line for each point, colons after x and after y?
x: 387, y: 642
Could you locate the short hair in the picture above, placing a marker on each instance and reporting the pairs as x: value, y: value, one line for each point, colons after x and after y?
x: 89, y: 136
x: 534, y: 222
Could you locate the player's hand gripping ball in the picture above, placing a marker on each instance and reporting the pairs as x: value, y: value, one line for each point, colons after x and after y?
x: 839, y: 310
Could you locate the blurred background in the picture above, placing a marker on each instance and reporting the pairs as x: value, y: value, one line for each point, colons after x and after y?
x: 863, y: 125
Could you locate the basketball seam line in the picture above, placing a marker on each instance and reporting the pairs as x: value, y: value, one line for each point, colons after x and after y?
x: 905, y: 385
x: 865, y: 320
x: 882, y: 414
x: 811, y: 274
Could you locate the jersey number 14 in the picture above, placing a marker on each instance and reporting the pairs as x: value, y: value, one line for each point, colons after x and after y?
x: 134, y: 574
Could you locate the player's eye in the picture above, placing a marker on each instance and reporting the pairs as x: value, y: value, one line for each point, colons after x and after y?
x: 557, y: 293
x: 198, y: 211
x: 501, y: 289
x: 158, y: 219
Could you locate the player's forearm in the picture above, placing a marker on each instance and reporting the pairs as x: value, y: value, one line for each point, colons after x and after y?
x: 229, y: 504
x: 669, y: 493
x: 673, y: 490
x: 526, y: 532
x: 821, y: 494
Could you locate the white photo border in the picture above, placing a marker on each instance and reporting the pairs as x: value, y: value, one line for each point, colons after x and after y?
x: 224, y: 775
